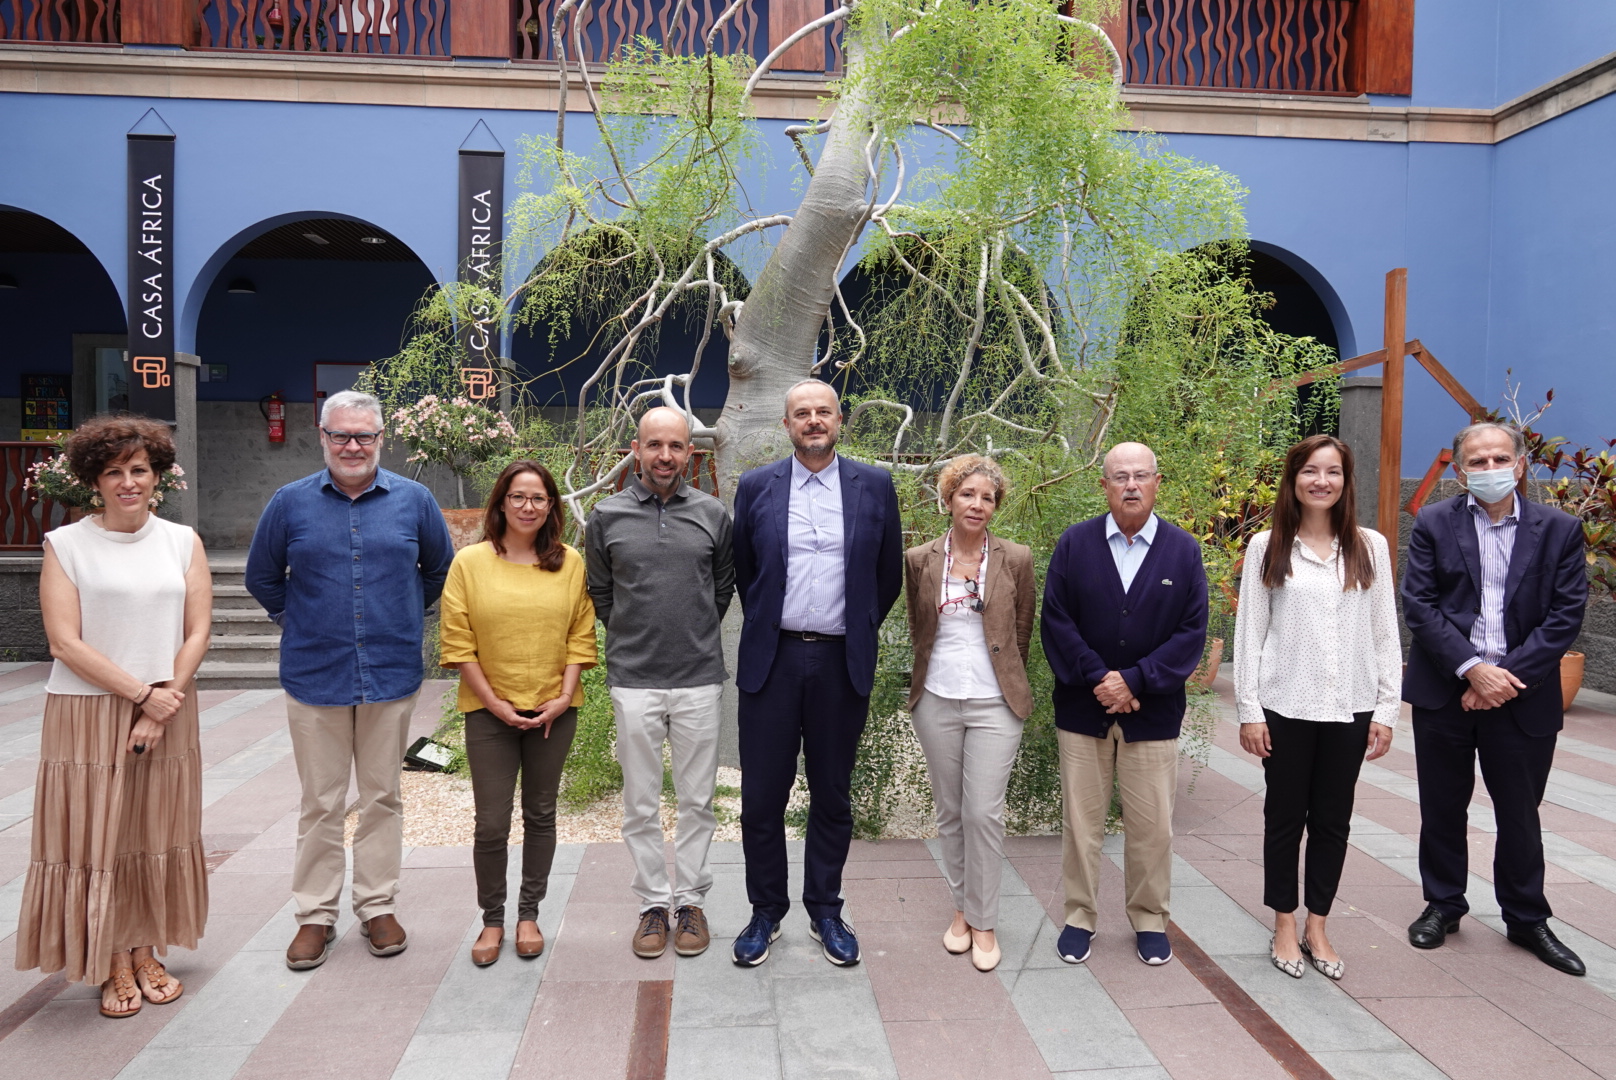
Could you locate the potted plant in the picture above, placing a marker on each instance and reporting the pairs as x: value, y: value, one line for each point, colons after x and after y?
x: 53, y: 479
x: 457, y: 434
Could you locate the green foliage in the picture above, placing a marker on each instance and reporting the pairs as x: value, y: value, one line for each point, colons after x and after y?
x: 592, y: 771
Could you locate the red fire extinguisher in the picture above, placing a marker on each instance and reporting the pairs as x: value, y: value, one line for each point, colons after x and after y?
x: 274, y: 409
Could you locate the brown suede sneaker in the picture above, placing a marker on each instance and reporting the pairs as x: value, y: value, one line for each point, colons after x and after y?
x: 691, y: 936
x: 310, y: 947
x: 386, y: 936
x: 651, y: 939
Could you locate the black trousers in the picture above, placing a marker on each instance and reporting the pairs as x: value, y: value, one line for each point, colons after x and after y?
x: 1515, y: 767
x: 808, y: 706
x: 496, y: 753
x: 1312, y: 769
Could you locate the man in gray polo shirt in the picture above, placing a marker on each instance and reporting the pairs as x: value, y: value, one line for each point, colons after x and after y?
x: 661, y: 575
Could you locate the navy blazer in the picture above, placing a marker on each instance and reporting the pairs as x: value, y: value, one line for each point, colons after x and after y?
x: 872, y: 544
x: 1544, y: 597
x: 1153, y: 635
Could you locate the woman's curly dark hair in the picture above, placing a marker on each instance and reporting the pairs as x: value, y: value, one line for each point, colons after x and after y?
x: 105, y: 440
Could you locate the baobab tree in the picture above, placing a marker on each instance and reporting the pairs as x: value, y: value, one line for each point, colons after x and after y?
x: 1043, y: 246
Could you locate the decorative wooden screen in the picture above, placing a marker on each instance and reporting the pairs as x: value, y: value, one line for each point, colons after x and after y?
x: 373, y: 27
x: 610, y: 27
x: 24, y: 521
x: 1283, y: 46
x: 78, y: 22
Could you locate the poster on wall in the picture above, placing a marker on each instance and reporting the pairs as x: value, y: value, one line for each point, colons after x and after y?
x: 151, y: 268
x: 47, y: 415
x: 482, y: 235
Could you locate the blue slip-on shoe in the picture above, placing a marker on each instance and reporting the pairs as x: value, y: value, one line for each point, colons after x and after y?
x: 1074, y: 944
x: 837, y: 939
x: 1154, y: 948
x: 752, y: 947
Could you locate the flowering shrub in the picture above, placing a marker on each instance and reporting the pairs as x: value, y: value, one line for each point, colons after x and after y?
x: 456, y: 434
x: 52, y: 479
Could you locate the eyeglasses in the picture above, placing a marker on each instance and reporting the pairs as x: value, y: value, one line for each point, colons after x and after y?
x: 1138, y: 477
x: 342, y: 438
x: 970, y: 600
x: 516, y: 502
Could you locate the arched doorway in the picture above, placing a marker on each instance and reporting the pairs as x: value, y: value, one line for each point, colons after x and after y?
x: 62, y: 317
x: 297, y: 307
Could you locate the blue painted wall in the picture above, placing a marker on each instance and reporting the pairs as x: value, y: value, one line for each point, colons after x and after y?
x: 56, y: 297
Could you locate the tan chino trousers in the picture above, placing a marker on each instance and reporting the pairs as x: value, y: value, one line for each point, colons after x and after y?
x: 1147, y: 773
x: 330, y: 743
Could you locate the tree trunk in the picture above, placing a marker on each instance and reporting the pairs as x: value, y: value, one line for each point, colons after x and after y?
x: 779, y: 326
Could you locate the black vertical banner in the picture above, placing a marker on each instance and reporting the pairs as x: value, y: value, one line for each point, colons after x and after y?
x: 482, y: 235
x: 151, y: 275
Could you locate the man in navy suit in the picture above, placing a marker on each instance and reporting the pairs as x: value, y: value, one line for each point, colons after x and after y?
x: 818, y: 564
x: 1124, y: 625
x: 1493, y: 595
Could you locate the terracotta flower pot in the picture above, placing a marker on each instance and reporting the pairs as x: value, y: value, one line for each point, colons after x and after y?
x: 1571, y: 665
x: 465, y: 526
x: 1208, y: 671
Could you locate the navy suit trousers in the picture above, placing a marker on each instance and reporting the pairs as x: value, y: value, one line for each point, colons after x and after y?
x: 808, y: 706
x: 1515, y: 767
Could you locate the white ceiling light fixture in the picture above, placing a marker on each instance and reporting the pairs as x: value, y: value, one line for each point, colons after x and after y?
x: 373, y: 239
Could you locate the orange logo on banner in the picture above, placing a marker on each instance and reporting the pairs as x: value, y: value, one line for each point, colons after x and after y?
x: 153, y: 371
x: 479, y: 382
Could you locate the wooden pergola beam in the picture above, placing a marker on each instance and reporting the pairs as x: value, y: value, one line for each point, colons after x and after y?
x: 1391, y: 405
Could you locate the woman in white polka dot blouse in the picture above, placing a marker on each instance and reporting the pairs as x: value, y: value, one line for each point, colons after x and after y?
x: 1317, y: 670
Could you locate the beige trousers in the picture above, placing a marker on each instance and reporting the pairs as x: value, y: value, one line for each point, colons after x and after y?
x: 1147, y: 773
x: 330, y: 743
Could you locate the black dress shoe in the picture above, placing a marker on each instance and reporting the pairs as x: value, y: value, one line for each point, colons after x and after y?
x: 1431, y: 929
x: 1540, y: 941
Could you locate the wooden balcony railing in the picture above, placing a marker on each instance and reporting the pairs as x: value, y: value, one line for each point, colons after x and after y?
x: 1272, y: 46
x: 24, y: 520
x: 413, y: 28
x: 75, y: 22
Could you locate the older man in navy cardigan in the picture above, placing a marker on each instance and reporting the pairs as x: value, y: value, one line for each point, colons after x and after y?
x: 1124, y: 626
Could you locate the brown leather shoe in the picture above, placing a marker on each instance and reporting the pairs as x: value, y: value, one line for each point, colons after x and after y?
x: 690, y: 936
x: 483, y: 955
x: 386, y: 936
x: 651, y: 939
x: 310, y: 947
x: 532, y: 945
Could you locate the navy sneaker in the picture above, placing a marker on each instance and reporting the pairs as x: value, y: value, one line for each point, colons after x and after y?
x: 1074, y: 944
x: 752, y: 947
x: 837, y: 939
x: 1154, y: 948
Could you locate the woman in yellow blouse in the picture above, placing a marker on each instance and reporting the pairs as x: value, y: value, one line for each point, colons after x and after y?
x: 518, y: 622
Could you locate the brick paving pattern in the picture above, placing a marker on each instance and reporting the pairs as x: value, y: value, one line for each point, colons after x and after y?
x: 1478, y: 1008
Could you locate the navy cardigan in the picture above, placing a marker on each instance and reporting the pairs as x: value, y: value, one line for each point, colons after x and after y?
x: 1153, y: 635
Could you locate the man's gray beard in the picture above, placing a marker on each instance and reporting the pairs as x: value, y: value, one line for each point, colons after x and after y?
x: 814, y: 451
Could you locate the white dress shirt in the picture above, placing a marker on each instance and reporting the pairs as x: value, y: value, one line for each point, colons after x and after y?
x: 1496, y: 543
x: 1311, y: 650
x: 816, y: 572
x: 961, y: 668
x: 1129, y: 557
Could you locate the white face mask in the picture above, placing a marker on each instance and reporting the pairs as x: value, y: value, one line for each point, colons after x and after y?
x: 1491, y: 485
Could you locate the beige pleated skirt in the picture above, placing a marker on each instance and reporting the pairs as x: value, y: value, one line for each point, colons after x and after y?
x: 117, y: 859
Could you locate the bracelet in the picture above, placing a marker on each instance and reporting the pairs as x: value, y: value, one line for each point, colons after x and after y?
x: 143, y: 698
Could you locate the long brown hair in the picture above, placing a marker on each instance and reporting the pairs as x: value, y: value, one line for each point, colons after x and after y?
x: 547, y: 544
x: 1358, y: 567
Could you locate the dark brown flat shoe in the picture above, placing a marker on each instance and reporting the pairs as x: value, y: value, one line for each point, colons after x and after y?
x: 529, y: 947
x: 483, y: 955
x: 385, y: 935
x: 310, y: 947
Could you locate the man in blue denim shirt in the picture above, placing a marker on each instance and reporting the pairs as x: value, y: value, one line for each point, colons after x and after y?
x: 347, y: 561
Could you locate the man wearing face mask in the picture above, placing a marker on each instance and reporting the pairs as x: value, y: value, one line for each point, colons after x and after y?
x: 1494, y: 596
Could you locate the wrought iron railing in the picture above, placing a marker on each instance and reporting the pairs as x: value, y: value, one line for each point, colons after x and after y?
x: 344, y: 27
x: 73, y: 22
x: 1283, y: 46
x: 24, y: 520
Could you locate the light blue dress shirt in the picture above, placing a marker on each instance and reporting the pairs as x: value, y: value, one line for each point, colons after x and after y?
x: 1129, y: 557
x: 816, y: 572
x: 1496, y: 543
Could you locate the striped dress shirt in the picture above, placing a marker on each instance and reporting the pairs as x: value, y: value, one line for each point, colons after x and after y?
x: 1497, y: 542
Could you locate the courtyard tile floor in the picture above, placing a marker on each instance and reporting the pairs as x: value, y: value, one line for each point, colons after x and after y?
x: 1479, y: 1008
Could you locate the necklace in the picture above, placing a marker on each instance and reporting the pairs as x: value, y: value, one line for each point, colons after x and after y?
x: 972, y: 597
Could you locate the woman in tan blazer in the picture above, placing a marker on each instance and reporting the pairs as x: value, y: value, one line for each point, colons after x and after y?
x: 971, y: 599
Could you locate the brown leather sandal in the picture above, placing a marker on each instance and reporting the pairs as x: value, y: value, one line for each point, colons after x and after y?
x: 157, y: 977
x: 123, y: 984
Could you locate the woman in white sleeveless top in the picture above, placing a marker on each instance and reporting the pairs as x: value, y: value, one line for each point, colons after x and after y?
x: 116, y: 869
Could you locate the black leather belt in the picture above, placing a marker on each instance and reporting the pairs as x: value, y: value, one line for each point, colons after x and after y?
x: 812, y: 635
